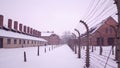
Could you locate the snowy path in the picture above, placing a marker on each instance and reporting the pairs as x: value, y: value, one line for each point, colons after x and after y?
x: 60, y: 57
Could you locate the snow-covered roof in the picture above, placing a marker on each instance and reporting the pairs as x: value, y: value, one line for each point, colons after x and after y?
x: 6, y: 33
x: 98, y: 26
x: 95, y: 28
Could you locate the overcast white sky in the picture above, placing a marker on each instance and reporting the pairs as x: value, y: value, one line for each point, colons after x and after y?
x: 46, y: 15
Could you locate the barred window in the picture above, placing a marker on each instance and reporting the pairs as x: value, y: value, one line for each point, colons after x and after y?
x: 106, y: 30
x: 15, y: 41
x: 32, y: 41
x: 110, y: 29
x: 24, y: 41
x: 8, y: 41
x: 28, y: 42
x: 20, y: 41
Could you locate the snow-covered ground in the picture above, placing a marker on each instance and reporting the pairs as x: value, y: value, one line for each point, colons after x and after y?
x: 59, y: 57
x: 102, y: 59
x: 99, y: 61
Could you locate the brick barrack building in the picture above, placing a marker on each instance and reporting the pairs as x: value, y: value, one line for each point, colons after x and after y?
x: 52, y: 39
x: 102, y: 34
x: 18, y: 35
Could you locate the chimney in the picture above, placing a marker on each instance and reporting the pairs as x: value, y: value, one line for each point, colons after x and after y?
x: 20, y: 27
x: 24, y: 29
x: 10, y: 24
x: 39, y: 33
x: 16, y: 25
x: 28, y: 30
x: 36, y: 33
x: 1, y: 21
x: 31, y: 30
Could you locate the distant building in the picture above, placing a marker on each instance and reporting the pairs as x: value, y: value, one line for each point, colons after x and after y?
x: 53, y: 39
x: 102, y: 34
x: 18, y: 35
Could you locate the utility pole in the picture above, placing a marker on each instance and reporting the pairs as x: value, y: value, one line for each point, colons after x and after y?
x: 79, y: 50
x: 100, y: 40
x: 91, y: 43
x: 38, y: 51
x: 117, y: 2
x: 116, y: 45
x: 75, y: 48
x: 87, y: 46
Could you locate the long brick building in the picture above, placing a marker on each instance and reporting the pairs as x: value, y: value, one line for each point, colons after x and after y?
x: 18, y: 35
x: 52, y: 39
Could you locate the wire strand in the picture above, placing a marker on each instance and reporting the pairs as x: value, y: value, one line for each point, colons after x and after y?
x: 95, y: 19
x: 108, y: 57
x: 92, y: 9
x: 102, y: 11
x: 96, y: 9
x: 89, y: 7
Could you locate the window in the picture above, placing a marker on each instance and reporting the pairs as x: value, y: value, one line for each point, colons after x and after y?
x: 106, y: 30
x: 8, y: 41
x: 111, y: 41
x: 20, y: 41
x: 24, y: 42
x: 28, y: 42
x: 100, y: 41
x: 40, y: 42
x: 32, y: 42
x: 110, y: 29
x: 15, y: 41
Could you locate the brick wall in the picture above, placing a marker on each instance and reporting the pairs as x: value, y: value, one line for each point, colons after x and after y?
x: 1, y: 21
x: 104, y: 31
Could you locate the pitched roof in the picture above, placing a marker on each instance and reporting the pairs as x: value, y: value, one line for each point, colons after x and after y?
x: 96, y: 27
x: 5, y: 33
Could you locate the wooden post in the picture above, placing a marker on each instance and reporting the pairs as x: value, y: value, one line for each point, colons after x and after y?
x: 87, y: 46
x: 45, y: 48
x: 25, y: 59
x: 49, y: 48
x: 38, y: 51
x: 79, y: 42
x: 117, y: 2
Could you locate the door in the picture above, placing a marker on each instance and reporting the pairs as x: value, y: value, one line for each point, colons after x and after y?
x: 1, y: 42
x: 100, y: 41
x: 110, y: 41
